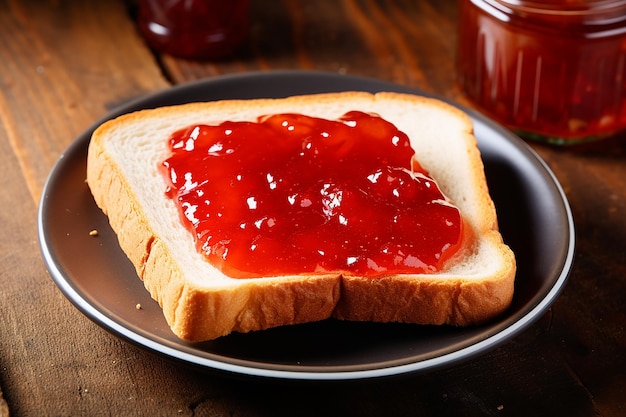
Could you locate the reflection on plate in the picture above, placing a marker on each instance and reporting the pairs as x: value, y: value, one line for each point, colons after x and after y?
x: 96, y: 277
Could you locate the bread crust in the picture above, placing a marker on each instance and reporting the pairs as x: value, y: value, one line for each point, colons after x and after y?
x: 202, y: 308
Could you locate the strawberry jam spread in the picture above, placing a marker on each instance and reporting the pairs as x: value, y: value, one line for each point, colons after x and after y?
x: 291, y: 194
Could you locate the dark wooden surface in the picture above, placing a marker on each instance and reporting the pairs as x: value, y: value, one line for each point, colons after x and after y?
x: 64, y: 64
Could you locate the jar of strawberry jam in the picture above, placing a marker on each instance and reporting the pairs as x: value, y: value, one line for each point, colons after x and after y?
x: 551, y: 70
x: 194, y: 29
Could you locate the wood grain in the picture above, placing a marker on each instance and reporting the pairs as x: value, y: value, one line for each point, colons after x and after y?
x: 398, y: 41
x: 64, y: 64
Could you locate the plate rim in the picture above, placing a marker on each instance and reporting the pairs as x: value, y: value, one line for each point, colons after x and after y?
x: 500, y: 335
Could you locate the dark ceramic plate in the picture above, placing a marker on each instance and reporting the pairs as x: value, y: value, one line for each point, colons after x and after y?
x: 97, y: 278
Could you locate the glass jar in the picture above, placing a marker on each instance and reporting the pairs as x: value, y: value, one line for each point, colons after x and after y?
x: 194, y: 29
x: 551, y: 70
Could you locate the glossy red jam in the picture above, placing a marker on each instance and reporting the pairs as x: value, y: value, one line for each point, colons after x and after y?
x: 552, y: 70
x: 292, y: 194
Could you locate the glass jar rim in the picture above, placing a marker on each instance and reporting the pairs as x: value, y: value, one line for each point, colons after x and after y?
x: 595, y: 12
x: 583, y: 7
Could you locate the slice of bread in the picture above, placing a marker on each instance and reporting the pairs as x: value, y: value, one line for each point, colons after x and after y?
x: 200, y: 303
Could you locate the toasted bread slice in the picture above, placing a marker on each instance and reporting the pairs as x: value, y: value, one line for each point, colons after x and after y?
x: 200, y: 303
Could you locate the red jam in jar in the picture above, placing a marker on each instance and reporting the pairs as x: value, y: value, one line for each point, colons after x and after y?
x: 194, y: 29
x: 553, y: 71
x: 292, y: 194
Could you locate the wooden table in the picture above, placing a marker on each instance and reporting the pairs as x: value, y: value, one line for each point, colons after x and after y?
x: 64, y: 65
